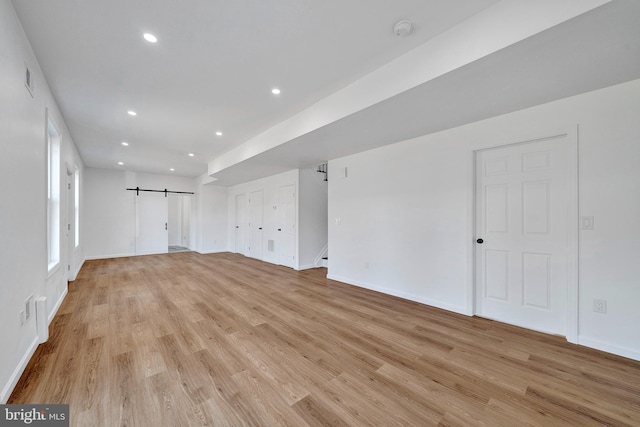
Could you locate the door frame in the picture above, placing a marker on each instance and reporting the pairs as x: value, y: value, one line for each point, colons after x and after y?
x: 240, y: 245
x: 69, y: 223
x: 572, y: 305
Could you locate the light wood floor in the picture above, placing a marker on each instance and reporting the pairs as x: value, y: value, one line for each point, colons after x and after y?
x: 188, y: 339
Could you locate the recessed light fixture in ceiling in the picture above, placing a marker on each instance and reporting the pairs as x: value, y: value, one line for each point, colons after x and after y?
x: 120, y: 163
x: 172, y: 169
x: 219, y: 133
x: 126, y: 144
x: 132, y: 113
x: 150, y: 37
x: 275, y: 91
x: 191, y: 154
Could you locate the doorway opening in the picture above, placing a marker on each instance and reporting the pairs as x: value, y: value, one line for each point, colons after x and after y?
x: 179, y: 223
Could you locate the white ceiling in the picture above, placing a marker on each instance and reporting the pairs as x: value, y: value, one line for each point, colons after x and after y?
x: 592, y: 51
x: 216, y: 62
x: 212, y: 69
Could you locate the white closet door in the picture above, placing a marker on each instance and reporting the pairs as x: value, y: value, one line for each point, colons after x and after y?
x: 255, y: 224
x: 286, y: 238
x: 242, y: 225
x: 152, y: 236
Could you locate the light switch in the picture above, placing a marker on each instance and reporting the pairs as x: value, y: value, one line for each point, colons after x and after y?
x: 587, y: 223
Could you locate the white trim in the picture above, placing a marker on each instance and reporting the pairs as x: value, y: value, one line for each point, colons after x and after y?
x: 573, y: 235
x: 152, y: 252
x: 215, y: 251
x: 403, y: 295
x: 323, y: 252
x: 609, y: 348
x: 52, y: 269
x: 74, y: 276
x: 306, y: 267
x: 110, y: 256
x: 55, y: 308
x: 17, y: 373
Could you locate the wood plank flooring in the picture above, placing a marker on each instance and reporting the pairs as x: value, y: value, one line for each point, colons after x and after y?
x: 188, y: 339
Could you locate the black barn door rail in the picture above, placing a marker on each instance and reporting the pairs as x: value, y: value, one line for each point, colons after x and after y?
x: 165, y: 191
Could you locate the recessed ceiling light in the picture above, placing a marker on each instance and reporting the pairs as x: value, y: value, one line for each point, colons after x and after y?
x: 150, y: 37
x: 275, y: 91
x: 219, y: 133
x: 132, y: 113
x: 172, y: 169
x: 125, y: 143
x: 191, y: 154
x: 120, y: 163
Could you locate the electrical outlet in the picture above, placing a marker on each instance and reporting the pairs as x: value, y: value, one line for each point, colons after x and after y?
x: 23, y: 317
x: 28, y: 308
x: 600, y: 305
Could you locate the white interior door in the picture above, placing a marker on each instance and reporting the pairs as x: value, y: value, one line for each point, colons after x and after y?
x: 70, y: 222
x: 255, y: 204
x: 255, y: 224
x: 285, y: 242
x: 152, y: 236
x: 242, y: 225
x: 522, y: 230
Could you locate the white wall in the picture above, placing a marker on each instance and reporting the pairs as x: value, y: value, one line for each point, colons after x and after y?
x: 402, y: 221
x: 23, y: 253
x: 110, y: 212
x: 109, y: 220
x: 312, y: 217
x: 211, y: 219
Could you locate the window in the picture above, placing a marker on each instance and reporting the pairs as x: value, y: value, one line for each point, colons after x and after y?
x: 53, y: 195
x: 76, y: 216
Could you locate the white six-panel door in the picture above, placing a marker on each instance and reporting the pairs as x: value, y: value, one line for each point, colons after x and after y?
x: 521, y: 227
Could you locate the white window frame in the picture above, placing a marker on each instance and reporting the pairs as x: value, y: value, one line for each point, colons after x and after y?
x: 53, y: 196
x: 76, y: 203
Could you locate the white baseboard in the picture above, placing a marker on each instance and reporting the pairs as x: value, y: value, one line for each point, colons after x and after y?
x: 55, y: 308
x: 109, y: 256
x: 214, y: 251
x: 403, y: 295
x: 17, y: 373
x: 77, y: 270
x: 609, y: 348
x: 306, y: 267
x: 15, y: 376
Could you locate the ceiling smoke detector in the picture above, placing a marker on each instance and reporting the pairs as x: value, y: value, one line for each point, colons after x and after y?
x: 402, y: 28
